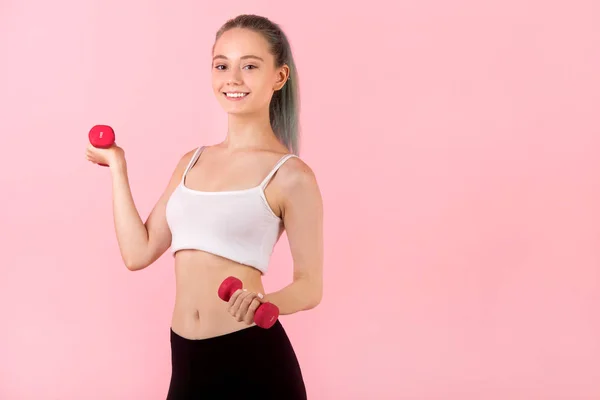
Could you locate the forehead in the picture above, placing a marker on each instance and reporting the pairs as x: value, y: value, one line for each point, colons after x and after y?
x: 238, y: 42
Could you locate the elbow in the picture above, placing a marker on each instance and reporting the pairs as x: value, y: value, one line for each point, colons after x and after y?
x: 315, y: 299
x: 134, y: 265
x: 312, y: 304
x: 131, y: 266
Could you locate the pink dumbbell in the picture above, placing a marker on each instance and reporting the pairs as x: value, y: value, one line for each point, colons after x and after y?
x: 265, y: 315
x: 102, y: 137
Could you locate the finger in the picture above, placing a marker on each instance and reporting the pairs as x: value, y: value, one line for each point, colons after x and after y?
x: 244, y: 306
x: 249, y: 319
x: 232, y: 300
x: 91, y: 153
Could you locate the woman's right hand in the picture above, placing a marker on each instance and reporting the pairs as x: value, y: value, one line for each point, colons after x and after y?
x: 110, y: 156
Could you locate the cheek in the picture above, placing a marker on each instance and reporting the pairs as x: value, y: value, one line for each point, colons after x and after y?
x: 218, y: 79
x: 216, y: 83
x: 265, y: 96
x: 261, y: 88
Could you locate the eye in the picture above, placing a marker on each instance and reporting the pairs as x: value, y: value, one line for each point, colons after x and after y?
x: 250, y: 66
x: 219, y: 67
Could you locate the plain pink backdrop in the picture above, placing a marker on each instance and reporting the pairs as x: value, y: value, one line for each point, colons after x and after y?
x: 456, y: 145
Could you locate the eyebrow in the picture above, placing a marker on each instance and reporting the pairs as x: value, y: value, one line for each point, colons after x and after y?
x: 220, y: 56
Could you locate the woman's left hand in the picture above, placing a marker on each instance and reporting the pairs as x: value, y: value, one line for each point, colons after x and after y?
x: 243, y: 304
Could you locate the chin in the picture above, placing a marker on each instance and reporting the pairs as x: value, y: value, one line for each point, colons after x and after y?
x: 238, y: 109
x: 235, y: 110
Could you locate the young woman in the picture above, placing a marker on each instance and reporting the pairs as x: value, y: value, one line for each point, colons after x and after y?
x: 222, y: 212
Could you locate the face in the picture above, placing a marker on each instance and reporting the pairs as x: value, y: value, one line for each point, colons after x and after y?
x: 244, y: 75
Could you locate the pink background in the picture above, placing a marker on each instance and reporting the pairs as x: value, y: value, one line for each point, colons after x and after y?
x: 456, y: 145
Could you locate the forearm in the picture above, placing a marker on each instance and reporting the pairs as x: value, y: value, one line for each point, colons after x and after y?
x: 131, y: 231
x: 302, y: 294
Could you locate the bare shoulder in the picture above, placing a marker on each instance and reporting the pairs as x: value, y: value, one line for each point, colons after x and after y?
x: 187, y: 156
x: 180, y: 167
x: 298, y: 188
x: 295, y: 174
x: 185, y: 159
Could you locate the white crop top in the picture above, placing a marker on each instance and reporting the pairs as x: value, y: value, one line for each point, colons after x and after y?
x: 237, y: 224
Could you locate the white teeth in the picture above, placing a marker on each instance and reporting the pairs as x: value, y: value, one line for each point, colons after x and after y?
x: 235, y: 94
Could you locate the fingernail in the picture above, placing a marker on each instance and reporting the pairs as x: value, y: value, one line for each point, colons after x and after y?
x: 260, y: 295
x: 245, y: 290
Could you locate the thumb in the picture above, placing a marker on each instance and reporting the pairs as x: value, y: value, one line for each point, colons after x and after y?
x: 261, y: 297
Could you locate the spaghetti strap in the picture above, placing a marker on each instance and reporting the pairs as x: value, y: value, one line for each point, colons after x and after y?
x: 192, y: 161
x: 283, y: 159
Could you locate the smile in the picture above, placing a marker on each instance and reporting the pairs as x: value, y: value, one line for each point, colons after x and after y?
x: 235, y: 96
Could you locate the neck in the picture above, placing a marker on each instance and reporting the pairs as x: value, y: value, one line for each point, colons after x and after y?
x: 249, y: 131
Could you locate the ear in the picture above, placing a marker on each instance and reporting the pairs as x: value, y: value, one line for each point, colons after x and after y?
x: 283, y: 74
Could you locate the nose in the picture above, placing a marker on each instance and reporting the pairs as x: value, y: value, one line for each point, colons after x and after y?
x: 235, y: 76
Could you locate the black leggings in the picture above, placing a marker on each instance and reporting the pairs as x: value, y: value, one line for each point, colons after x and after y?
x: 253, y: 361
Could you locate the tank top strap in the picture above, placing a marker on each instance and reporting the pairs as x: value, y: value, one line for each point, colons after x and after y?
x: 192, y: 161
x: 282, y: 160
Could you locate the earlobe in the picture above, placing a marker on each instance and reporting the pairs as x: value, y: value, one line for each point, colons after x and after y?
x: 284, y: 78
x: 281, y: 84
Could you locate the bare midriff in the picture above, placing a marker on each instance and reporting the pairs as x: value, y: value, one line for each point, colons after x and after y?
x: 199, y: 312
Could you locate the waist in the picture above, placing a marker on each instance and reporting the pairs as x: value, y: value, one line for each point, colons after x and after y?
x: 199, y: 312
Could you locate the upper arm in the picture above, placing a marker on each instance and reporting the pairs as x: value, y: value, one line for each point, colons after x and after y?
x: 159, y: 234
x: 302, y: 213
